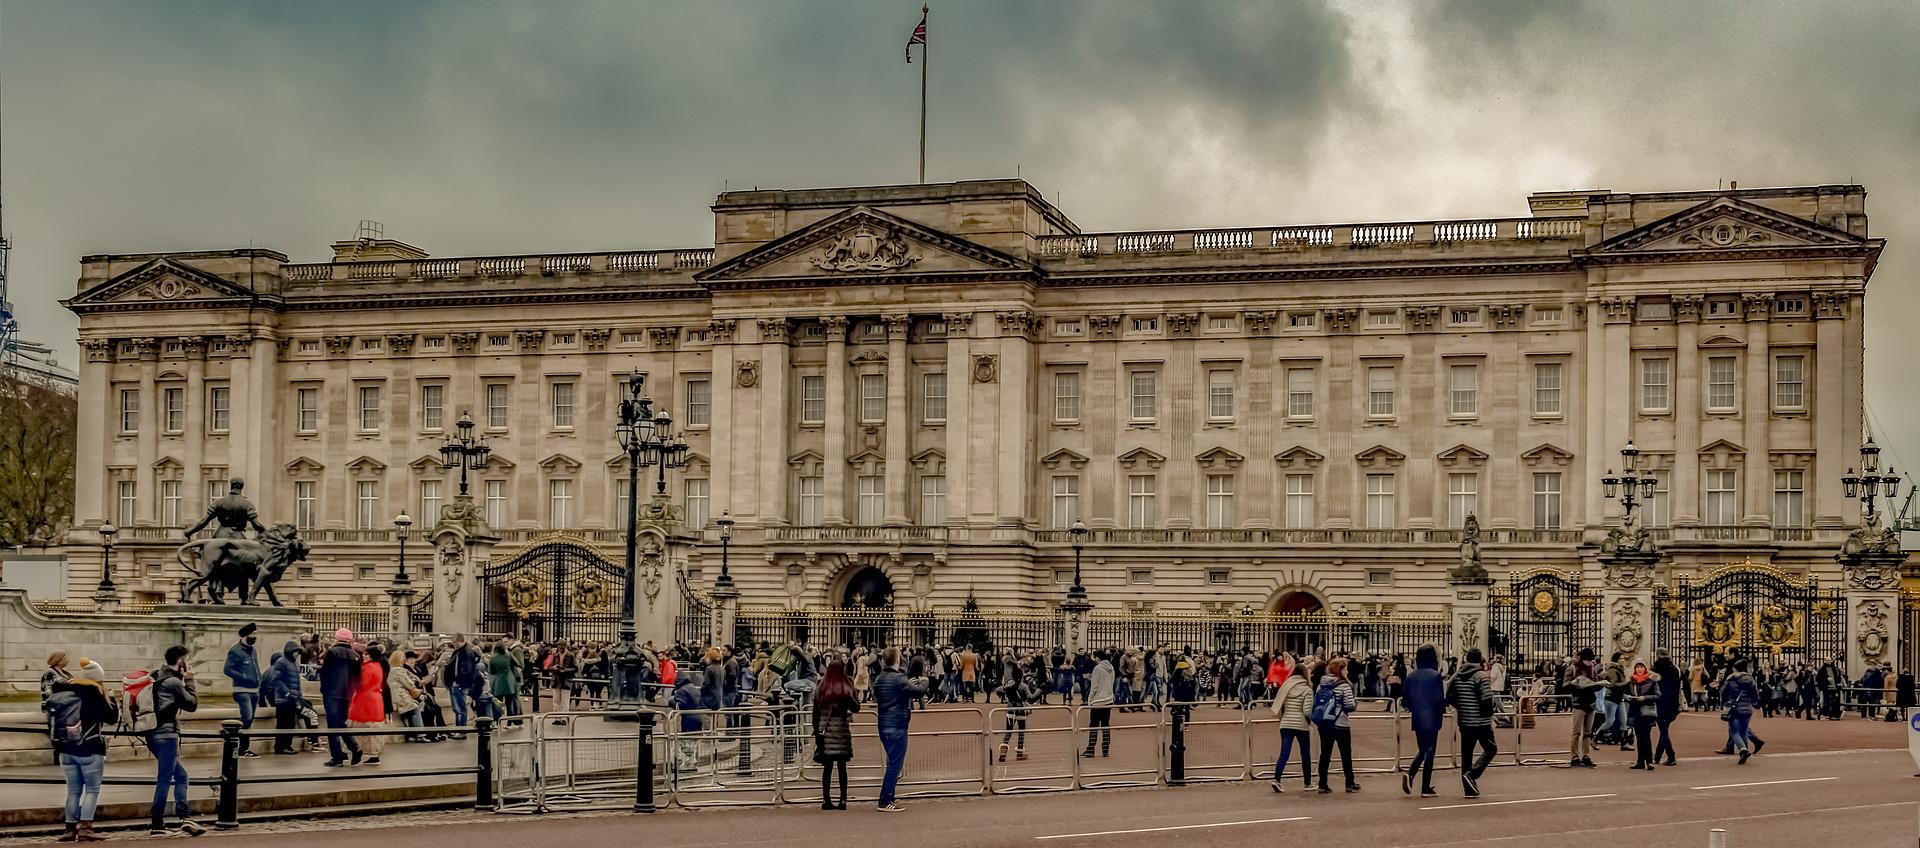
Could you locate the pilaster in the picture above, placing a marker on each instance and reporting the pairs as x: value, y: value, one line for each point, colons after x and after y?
x: 834, y: 458
x: 1757, y: 482
x: 1683, y: 493
x: 899, y: 427
x: 775, y: 407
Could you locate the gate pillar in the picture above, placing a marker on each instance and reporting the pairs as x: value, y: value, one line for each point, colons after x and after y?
x: 462, y: 543
x: 726, y: 611
x: 1626, y: 599
x: 1469, y: 613
x: 1873, y: 610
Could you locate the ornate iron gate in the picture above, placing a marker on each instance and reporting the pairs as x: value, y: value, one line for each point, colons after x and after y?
x: 1543, y: 615
x: 1910, y: 631
x: 554, y: 588
x: 1750, y: 610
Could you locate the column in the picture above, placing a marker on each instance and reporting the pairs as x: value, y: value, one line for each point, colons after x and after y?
x: 1593, y: 448
x: 1013, y: 486
x: 264, y: 451
x: 899, y: 427
x: 97, y: 406
x: 150, y: 421
x: 776, y: 404
x: 727, y: 437
x: 726, y: 610
x: 963, y: 506
x: 1683, y: 491
x: 1265, y: 378
x: 1833, y: 441
x: 834, y: 459
x: 1756, y: 397
x: 193, y: 441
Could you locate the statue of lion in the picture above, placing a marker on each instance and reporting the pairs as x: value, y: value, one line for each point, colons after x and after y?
x: 244, y: 566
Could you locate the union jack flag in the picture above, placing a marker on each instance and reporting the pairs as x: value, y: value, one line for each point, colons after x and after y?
x: 919, y: 35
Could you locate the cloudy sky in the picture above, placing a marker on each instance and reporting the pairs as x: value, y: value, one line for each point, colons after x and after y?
x: 476, y: 127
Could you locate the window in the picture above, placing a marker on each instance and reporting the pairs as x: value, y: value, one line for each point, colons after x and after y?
x: 1463, y: 498
x: 1066, y: 396
x: 1790, y: 382
x: 1659, y: 510
x: 1220, y: 393
x: 219, y: 409
x: 933, y: 396
x: 630, y: 337
x: 1144, y: 389
x: 1302, y: 320
x: 430, y: 505
x: 699, y: 403
x: 1299, y: 501
x: 129, y: 410
x: 494, y: 493
x: 1146, y: 325
x: 1790, y: 306
x: 1655, y: 310
x: 498, y: 340
x: 1789, y: 499
x: 1140, y: 576
x: 367, y: 503
x: 1465, y: 383
x: 933, y: 500
x: 873, y: 398
x: 1221, y: 323
x: 174, y: 405
x: 497, y: 394
x: 1069, y: 328
x: 1300, y: 392
x: 813, y: 400
x: 306, y: 410
x: 1066, y: 501
x: 1382, y: 319
x: 304, y: 515
x: 1722, y: 497
x: 699, y: 503
x: 1720, y: 371
x: 170, y: 503
x: 1546, y: 388
x: 433, y: 399
x: 1379, y: 577
x: 563, y: 339
x: 621, y: 497
x: 1463, y: 316
x: 370, y: 344
x: 129, y: 502
x: 1654, y: 383
x: 1140, y: 501
x: 1219, y: 577
x: 365, y: 572
x: 309, y: 345
x: 1546, y: 500
x: 1723, y: 308
x: 562, y: 395
x: 1381, y: 513
x: 216, y: 489
x: 369, y: 408
x: 1549, y: 314
x: 873, y: 500
x: 433, y: 343
x: 811, y: 500
x: 1220, y: 501
x: 1380, y: 391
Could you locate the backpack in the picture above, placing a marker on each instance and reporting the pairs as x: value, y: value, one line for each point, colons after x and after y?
x: 1327, y: 706
x: 140, y: 708
x: 65, y: 725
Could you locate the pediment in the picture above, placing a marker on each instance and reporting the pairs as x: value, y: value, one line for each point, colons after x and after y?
x: 857, y: 243
x: 1300, y: 456
x: 560, y: 463
x: 1063, y: 458
x: 1721, y: 446
x: 428, y: 464
x: 1138, y: 457
x: 164, y: 282
x: 930, y: 461
x: 1462, y: 454
x: 1380, y: 456
x: 304, y: 466
x: 1547, y: 454
x: 1219, y: 457
x: 366, y: 465
x: 1727, y: 223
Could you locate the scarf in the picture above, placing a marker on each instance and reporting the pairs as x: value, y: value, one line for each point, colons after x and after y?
x: 1640, y: 675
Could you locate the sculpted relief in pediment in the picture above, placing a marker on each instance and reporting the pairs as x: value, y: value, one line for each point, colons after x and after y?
x: 866, y: 248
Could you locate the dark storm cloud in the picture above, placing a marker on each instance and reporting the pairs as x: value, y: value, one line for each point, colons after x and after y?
x: 476, y: 127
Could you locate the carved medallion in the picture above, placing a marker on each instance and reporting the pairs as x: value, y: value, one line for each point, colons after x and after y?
x: 1724, y: 234
x: 986, y: 367
x: 590, y: 596
x: 747, y: 374
x: 525, y: 596
x: 866, y: 248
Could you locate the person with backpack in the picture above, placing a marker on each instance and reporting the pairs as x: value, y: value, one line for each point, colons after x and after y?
x: 77, y: 709
x: 243, y: 669
x: 1582, y: 689
x: 280, y: 689
x: 1293, y: 705
x: 171, y: 693
x: 1333, y: 704
x: 1471, y: 694
x: 1019, y: 692
x: 56, y: 673
x: 1424, y: 696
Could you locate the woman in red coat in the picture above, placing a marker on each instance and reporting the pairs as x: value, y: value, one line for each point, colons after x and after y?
x: 369, y: 705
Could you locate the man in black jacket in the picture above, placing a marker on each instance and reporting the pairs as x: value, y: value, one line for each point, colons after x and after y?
x: 173, y: 693
x: 339, y: 679
x: 1471, y: 694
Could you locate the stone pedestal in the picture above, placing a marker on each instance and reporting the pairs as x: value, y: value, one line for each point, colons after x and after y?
x: 1626, y: 600
x: 1469, y: 613
x: 462, y: 542
x: 1077, y: 608
x: 726, y: 607
x: 400, y: 610
x: 1872, y: 580
x: 106, y: 601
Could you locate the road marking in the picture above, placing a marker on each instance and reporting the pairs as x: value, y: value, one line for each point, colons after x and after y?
x: 1535, y: 837
x: 1173, y: 827
x: 1764, y: 783
x: 1521, y: 801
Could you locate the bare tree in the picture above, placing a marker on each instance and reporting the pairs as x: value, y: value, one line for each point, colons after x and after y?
x: 37, y: 439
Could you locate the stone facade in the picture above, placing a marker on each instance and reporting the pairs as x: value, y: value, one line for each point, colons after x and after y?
x: 936, y: 381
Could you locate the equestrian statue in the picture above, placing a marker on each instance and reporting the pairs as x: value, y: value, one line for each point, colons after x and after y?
x: 230, y: 561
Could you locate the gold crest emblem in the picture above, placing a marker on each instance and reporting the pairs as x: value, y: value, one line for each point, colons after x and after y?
x: 525, y: 596
x: 1543, y: 603
x: 590, y: 596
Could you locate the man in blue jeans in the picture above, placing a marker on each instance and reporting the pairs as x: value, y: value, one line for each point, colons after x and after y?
x: 1738, y: 696
x: 1425, y: 698
x: 243, y: 668
x: 173, y: 692
x: 893, y: 696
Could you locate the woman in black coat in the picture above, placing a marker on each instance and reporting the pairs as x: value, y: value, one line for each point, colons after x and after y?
x: 1669, y: 706
x: 833, y: 709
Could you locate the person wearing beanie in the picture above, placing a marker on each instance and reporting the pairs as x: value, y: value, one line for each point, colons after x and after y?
x: 92, y: 670
x: 243, y: 668
x: 1471, y: 694
x: 56, y: 673
x: 339, y: 680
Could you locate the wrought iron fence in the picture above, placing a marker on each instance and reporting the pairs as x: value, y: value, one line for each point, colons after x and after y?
x: 1543, y: 614
x: 1910, y: 630
x: 1751, y: 610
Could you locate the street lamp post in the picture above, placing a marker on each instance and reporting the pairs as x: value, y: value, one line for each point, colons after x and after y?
x: 1078, y: 591
x: 105, y: 592
x: 726, y: 539
x: 648, y: 441
x: 1870, y: 484
x: 464, y: 451
x: 1634, y: 483
x: 401, y: 591
x: 400, y: 525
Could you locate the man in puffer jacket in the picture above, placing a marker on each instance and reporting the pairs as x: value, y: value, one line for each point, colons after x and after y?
x: 281, y: 689
x: 1471, y: 695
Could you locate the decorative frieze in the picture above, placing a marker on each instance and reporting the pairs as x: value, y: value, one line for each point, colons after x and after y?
x: 1340, y: 320
x: 1686, y: 307
x: 463, y: 342
x: 1506, y: 314
x: 1018, y: 323
x: 595, y: 338
x: 897, y: 326
x: 1617, y: 310
x: 339, y: 345
x: 98, y: 350
x: 400, y: 344
x: 1422, y: 317
x: 959, y: 324
x: 1829, y: 305
x: 530, y: 340
x: 663, y: 338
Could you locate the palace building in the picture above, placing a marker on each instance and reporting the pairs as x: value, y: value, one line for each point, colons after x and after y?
x: 908, y: 395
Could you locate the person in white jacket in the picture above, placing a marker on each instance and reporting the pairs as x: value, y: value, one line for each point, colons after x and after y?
x: 1293, y: 704
x: 1100, y: 705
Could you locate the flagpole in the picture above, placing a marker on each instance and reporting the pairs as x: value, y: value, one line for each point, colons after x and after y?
x: 923, y: 101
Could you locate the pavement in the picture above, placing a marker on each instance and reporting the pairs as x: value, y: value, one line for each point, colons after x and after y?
x: 1818, y: 783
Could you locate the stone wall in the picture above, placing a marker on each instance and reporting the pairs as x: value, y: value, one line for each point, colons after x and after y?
x: 121, y: 642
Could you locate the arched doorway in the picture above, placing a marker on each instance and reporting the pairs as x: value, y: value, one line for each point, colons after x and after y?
x: 866, y: 609
x: 1299, y: 622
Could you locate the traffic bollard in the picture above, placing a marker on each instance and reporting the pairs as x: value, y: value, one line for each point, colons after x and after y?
x: 483, y: 774
x: 226, y: 814
x: 643, y: 774
x: 1177, y: 749
x: 1716, y: 838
